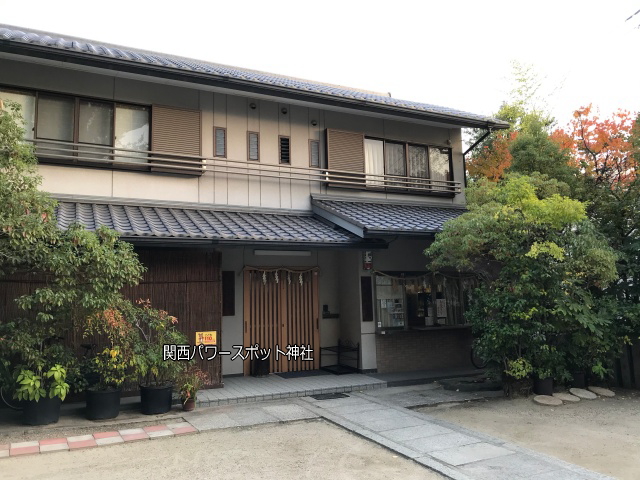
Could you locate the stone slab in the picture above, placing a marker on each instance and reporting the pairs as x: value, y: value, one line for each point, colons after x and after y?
x: 53, y: 441
x: 290, y: 412
x: 603, y: 392
x: 54, y: 447
x: 411, y: 433
x: 470, y: 453
x: 131, y: 431
x: 213, y: 421
x: 582, y: 393
x: 508, y: 467
x: 109, y: 440
x: 547, y: 400
x: 440, y: 442
x: 392, y: 423
x: 79, y: 438
x: 24, y: 444
x: 566, y: 397
x: 4, y: 453
x: 160, y: 433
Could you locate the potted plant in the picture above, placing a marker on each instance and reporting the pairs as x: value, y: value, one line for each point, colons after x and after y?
x: 42, y: 392
x: 155, y: 329
x: 192, y: 380
x: 103, y: 397
x: 108, y: 369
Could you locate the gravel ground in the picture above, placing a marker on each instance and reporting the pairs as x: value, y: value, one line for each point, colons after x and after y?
x: 602, y: 435
x: 299, y: 450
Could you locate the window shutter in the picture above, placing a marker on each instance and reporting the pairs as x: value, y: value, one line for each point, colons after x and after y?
x: 176, y: 130
x: 285, y: 150
x: 254, y: 146
x: 345, y: 151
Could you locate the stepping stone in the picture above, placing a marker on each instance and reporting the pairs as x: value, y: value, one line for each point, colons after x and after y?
x: 603, y: 392
x: 582, y: 393
x: 547, y: 400
x: 566, y: 397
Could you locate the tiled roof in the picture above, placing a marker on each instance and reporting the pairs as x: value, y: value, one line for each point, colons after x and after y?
x: 215, y: 225
x: 153, y: 59
x: 369, y: 218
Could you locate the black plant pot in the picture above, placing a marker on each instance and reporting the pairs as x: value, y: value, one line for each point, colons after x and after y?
x: 579, y: 380
x: 543, y: 386
x: 102, y: 404
x: 42, y: 412
x: 155, y: 399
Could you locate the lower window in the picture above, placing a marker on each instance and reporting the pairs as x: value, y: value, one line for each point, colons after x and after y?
x: 410, y: 300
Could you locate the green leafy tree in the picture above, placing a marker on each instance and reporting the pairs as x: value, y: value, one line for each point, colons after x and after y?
x: 538, y: 256
x: 75, y: 272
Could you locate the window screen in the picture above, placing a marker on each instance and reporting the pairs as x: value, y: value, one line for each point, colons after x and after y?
x: 314, y: 153
x: 55, y: 118
x: 132, y: 131
x: 220, y: 142
x: 285, y: 150
x: 254, y: 146
x: 394, y: 161
x: 95, y: 122
x: 440, y: 167
x: 28, y: 103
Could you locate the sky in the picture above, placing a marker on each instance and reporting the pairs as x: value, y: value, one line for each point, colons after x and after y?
x: 452, y: 53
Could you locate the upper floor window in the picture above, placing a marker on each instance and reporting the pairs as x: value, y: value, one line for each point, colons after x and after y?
x: 285, y: 149
x: 397, y: 159
x: 87, y: 122
x: 253, y: 146
x: 220, y: 139
x: 314, y: 153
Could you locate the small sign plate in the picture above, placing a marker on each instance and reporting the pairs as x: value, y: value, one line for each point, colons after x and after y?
x: 207, y: 338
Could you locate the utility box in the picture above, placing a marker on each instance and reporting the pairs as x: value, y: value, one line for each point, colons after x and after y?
x: 260, y: 366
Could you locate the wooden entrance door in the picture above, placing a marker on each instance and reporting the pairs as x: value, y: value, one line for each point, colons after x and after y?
x: 281, y: 311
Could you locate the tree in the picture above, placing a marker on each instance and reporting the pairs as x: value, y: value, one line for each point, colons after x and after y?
x: 538, y: 257
x: 526, y: 114
x: 77, y: 272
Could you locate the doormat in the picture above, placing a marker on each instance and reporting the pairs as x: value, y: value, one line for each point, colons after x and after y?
x: 302, y: 373
x: 329, y: 396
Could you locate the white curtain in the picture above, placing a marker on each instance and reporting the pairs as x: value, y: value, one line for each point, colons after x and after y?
x: 440, y: 168
x: 132, y: 131
x: 374, y: 160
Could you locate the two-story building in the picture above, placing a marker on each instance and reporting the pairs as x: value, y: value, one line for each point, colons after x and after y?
x: 272, y: 210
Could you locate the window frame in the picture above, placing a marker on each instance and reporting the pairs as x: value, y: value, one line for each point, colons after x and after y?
x: 406, y: 144
x: 215, y: 132
x: 76, y: 132
x: 280, y: 138
x: 257, y: 134
x: 312, y: 141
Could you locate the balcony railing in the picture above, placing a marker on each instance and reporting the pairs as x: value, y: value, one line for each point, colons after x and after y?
x: 52, y: 151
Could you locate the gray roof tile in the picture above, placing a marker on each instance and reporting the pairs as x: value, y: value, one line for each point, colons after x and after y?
x: 372, y: 217
x: 89, y: 47
x: 215, y: 225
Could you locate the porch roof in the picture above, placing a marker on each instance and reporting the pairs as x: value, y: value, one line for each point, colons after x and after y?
x: 370, y: 218
x: 189, y: 225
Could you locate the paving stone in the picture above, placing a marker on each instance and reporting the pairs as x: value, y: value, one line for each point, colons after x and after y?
x: 14, y: 452
x: 582, y: 393
x: 155, y: 428
x: 54, y: 447
x: 393, y: 423
x: 79, y: 438
x: 567, y: 397
x: 131, y: 431
x: 24, y: 444
x: 560, y: 474
x: 4, y: 453
x: 508, y: 467
x: 178, y: 425
x: 289, y: 412
x: 419, y: 431
x: 184, y: 430
x: 134, y: 437
x: 89, y: 443
x: 103, y: 435
x: 109, y: 440
x: 160, y: 433
x: 53, y: 441
x: 213, y: 421
x: 547, y: 400
x: 251, y: 416
x: 603, y: 392
x: 470, y: 453
x: 4, y: 446
x: 440, y: 442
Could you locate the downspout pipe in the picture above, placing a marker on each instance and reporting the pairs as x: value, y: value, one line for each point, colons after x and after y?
x: 476, y: 143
